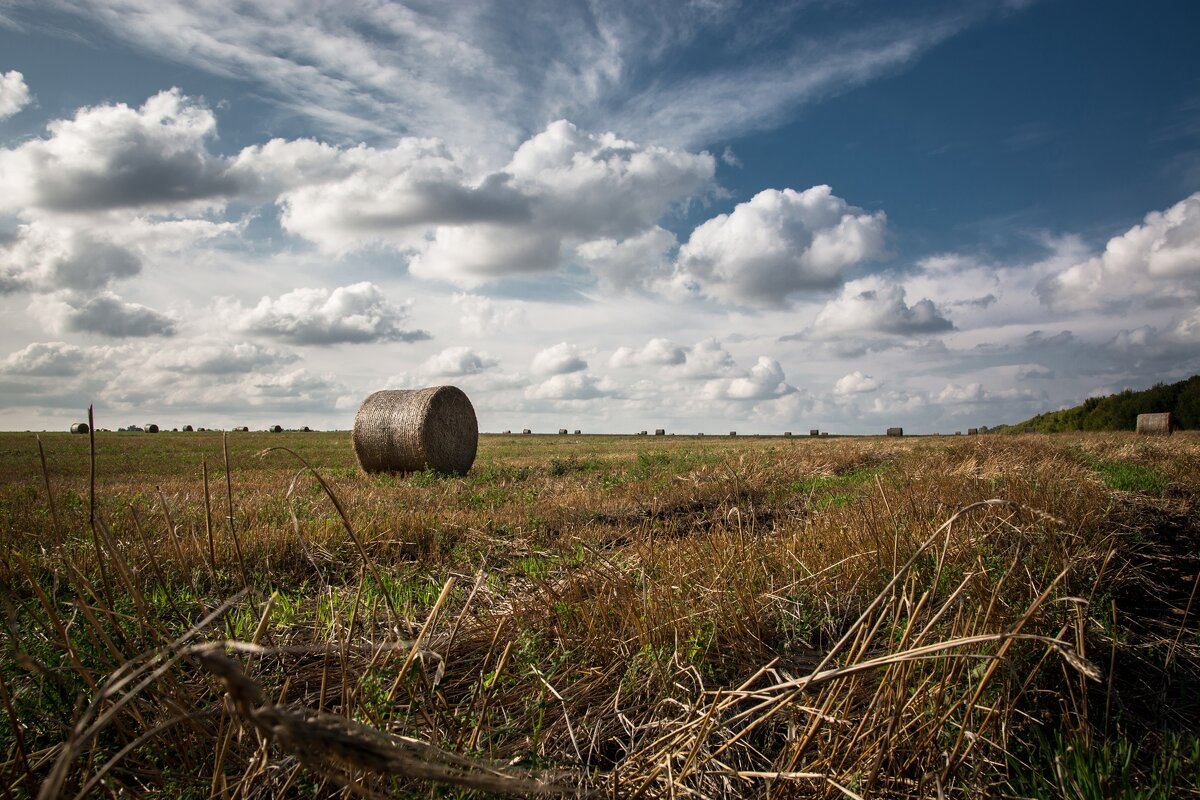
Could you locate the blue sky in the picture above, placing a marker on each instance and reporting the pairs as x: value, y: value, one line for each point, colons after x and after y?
x: 609, y: 216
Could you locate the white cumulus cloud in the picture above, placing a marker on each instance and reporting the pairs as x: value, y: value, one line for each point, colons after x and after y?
x: 573, y: 187
x: 483, y: 315
x: 765, y: 380
x: 45, y: 359
x: 571, y: 386
x: 1158, y: 259
x: 108, y: 315
x: 656, y: 353
x: 14, y: 94
x: 352, y: 314
x: 115, y: 156
x: 779, y: 243
x: 876, y: 305
x: 855, y: 383
x: 46, y: 258
x: 558, y: 360
x: 457, y: 361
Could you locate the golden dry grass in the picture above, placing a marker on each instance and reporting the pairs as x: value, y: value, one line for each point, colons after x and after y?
x: 624, y: 616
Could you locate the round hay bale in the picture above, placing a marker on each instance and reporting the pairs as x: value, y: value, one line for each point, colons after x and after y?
x: 187, y: 428
x: 409, y: 430
x: 1154, y: 424
x: 660, y: 432
x: 526, y: 432
x: 80, y: 427
x: 276, y: 429
x: 733, y: 433
x: 562, y: 431
x: 150, y: 428
x: 578, y: 432
x: 895, y: 431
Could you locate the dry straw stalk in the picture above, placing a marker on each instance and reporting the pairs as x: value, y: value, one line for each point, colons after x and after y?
x: 409, y: 430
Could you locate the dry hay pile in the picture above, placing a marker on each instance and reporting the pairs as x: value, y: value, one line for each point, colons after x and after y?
x: 410, y: 430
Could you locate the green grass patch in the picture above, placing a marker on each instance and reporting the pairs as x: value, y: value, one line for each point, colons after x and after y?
x: 1127, y: 477
x: 843, y: 480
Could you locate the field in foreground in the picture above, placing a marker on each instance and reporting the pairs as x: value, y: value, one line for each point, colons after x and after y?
x: 867, y: 617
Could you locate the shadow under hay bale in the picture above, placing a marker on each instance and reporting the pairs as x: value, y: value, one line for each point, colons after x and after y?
x: 1154, y: 424
x: 80, y: 427
x: 409, y: 430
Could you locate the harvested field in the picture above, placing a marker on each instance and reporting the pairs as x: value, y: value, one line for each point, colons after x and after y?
x: 624, y: 616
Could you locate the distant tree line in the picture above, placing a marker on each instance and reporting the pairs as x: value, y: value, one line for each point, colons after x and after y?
x: 1118, y: 412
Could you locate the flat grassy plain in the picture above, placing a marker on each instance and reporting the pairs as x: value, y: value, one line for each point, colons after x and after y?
x: 618, y: 616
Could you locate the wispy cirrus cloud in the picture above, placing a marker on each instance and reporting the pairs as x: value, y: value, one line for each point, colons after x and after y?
x: 485, y: 76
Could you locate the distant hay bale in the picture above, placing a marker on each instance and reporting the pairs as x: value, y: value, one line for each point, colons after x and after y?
x: 1154, y: 424
x: 150, y: 428
x: 409, y: 430
x: 306, y: 429
x: 276, y: 429
x: 562, y: 431
x: 578, y: 432
x: 733, y: 433
x: 895, y: 431
x: 660, y: 432
x: 787, y: 434
x: 526, y: 432
x: 187, y: 429
x: 824, y: 433
x: 972, y: 431
x: 506, y: 433
x: 641, y: 433
x: 80, y: 427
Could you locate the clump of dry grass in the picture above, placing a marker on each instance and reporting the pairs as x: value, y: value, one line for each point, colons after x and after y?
x: 719, y: 618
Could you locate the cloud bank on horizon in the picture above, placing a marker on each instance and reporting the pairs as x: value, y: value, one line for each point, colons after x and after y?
x: 601, y: 216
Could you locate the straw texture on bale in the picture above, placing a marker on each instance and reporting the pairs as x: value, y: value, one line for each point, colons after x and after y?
x: 409, y: 430
x: 80, y: 427
x: 1154, y: 424
x: 151, y: 428
x: 895, y: 431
